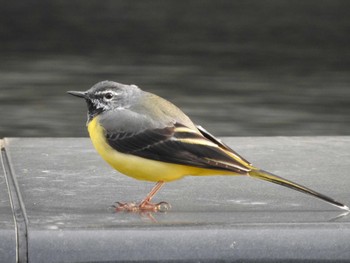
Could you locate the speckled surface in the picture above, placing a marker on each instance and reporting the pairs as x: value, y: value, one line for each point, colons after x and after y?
x: 67, y: 188
x: 7, y: 223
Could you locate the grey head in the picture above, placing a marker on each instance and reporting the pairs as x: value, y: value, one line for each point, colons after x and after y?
x: 107, y: 95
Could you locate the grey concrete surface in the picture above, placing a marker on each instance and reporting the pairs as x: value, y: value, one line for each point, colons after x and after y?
x: 66, y: 190
x: 7, y: 223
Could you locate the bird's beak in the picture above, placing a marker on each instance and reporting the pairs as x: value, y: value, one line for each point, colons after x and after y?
x: 80, y: 94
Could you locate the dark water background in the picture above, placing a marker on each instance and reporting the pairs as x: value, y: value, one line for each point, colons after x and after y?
x: 239, y: 68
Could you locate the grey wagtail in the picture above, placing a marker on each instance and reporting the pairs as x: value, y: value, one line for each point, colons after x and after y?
x: 148, y: 138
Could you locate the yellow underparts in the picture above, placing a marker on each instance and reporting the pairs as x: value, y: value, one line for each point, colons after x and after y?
x: 142, y: 168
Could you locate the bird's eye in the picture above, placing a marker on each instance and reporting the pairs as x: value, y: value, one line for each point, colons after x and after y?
x: 108, y: 96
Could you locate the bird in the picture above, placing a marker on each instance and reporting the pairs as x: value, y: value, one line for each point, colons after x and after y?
x: 148, y: 138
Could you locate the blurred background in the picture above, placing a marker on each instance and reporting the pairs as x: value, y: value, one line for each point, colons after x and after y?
x: 238, y: 68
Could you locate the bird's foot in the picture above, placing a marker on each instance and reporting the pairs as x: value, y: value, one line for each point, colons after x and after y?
x: 144, y: 206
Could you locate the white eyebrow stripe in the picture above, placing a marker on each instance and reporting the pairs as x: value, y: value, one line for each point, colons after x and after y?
x: 107, y: 91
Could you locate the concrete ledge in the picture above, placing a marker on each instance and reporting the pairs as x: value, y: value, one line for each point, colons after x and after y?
x: 8, y: 246
x: 63, y: 191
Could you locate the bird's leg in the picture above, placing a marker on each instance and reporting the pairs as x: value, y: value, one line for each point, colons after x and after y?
x: 145, y: 205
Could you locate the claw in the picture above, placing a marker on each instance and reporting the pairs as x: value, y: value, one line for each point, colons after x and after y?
x: 142, y: 207
x: 129, y: 207
x: 145, y: 205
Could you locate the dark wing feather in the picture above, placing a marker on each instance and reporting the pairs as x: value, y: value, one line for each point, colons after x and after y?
x: 212, y: 138
x: 175, y: 144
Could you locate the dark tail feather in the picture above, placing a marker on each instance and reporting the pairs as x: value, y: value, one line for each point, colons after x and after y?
x: 263, y: 175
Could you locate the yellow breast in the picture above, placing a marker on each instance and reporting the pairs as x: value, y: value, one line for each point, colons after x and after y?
x: 138, y: 167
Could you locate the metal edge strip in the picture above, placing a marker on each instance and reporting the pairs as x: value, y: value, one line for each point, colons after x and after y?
x: 18, y: 209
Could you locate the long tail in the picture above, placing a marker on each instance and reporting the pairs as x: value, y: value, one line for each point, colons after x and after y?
x: 263, y: 175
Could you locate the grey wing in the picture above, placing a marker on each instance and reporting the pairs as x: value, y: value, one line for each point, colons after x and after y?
x: 171, y: 142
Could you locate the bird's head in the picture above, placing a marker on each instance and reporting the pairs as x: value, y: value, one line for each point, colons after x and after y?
x: 107, y: 95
